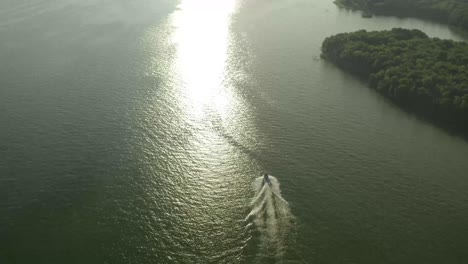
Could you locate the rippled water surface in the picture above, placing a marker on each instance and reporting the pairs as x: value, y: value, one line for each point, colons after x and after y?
x: 135, y: 132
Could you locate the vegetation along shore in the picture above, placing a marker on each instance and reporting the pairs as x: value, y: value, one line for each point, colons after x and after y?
x: 426, y: 75
x: 452, y: 12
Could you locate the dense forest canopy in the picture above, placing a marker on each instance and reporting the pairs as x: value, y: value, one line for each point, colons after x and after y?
x: 428, y: 75
x: 453, y: 12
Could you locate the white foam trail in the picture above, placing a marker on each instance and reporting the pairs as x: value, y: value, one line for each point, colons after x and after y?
x: 271, y: 215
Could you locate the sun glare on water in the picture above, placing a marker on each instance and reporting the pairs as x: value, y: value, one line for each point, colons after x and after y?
x: 201, y: 38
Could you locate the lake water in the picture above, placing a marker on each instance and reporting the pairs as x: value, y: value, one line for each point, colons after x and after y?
x: 134, y: 132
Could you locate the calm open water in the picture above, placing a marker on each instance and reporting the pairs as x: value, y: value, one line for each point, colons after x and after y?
x: 134, y: 131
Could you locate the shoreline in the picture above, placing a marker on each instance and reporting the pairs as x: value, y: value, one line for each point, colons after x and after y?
x: 422, y: 75
x: 453, y: 14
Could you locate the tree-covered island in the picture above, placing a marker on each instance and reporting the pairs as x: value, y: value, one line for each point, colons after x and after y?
x: 425, y: 75
x: 452, y: 12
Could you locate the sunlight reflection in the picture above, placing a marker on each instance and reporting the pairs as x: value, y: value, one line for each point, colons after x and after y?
x: 201, y: 38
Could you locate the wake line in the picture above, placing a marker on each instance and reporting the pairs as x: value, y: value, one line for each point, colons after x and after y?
x: 272, y: 218
x: 281, y: 198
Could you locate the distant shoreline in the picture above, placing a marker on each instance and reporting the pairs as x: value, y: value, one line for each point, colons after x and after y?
x: 451, y: 12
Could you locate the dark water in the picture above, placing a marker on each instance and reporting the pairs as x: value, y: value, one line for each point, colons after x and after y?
x: 132, y: 132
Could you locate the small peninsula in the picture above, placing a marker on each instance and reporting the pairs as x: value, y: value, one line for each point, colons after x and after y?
x: 428, y: 76
x: 452, y: 12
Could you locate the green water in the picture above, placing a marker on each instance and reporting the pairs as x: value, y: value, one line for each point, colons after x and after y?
x: 131, y: 132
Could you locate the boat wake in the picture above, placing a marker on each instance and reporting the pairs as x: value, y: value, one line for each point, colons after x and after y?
x: 271, y: 216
